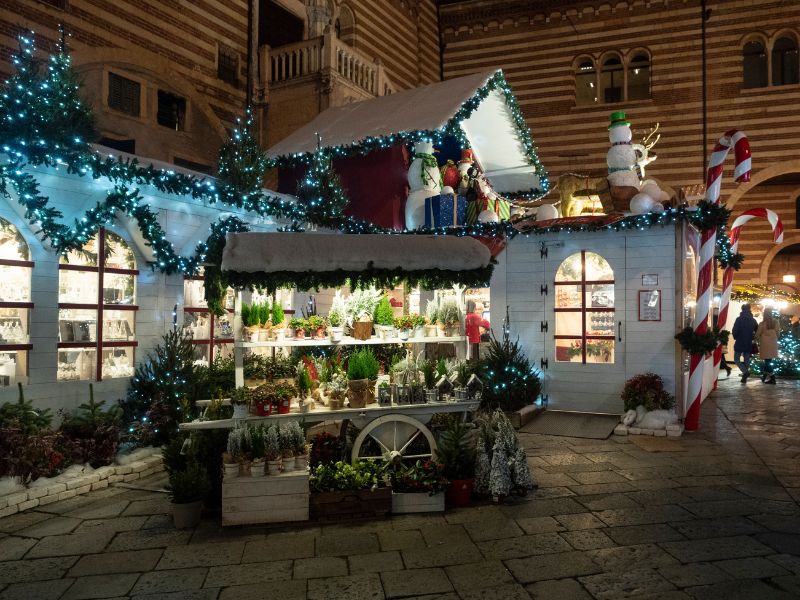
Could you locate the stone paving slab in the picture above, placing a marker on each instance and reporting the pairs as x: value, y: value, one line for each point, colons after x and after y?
x: 520, y: 547
x: 277, y: 590
x: 100, y: 586
x: 552, y: 566
x: 626, y: 584
x: 478, y: 576
x: 70, y: 544
x: 37, y: 590
x: 693, y: 574
x: 279, y: 546
x: 400, y: 540
x: 621, y: 558
x: 162, y: 582
x: 416, y: 582
x: 739, y: 590
x: 588, y: 539
x: 726, y: 526
x: 263, y: 572
x: 716, y: 549
x: 643, y: 534
x: 562, y: 589
x: 205, y: 594
x: 375, y: 562
x: 116, y: 562
x: 21, y: 571
x: 508, y: 591
x: 14, y: 548
x: 344, y: 544
x: 364, y: 585
x: 52, y: 526
x: 320, y: 566
x: 201, y: 555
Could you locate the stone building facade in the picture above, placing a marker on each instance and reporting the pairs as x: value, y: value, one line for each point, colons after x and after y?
x: 572, y: 62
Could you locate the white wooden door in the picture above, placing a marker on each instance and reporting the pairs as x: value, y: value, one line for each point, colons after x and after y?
x: 585, y: 312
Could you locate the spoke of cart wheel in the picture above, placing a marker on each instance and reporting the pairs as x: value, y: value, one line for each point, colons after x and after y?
x: 394, y: 443
x: 408, y: 443
x: 380, y: 443
x: 371, y: 457
x: 417, y: 455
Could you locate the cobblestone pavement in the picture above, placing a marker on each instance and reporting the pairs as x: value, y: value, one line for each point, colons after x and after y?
x: 711, y: 515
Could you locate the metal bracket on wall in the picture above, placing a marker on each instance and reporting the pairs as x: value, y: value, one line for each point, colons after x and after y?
x: 543, y: 326
x: 544, y: 363
x: 542, y: 250
x: 545, y: 400
x: 543, y: 289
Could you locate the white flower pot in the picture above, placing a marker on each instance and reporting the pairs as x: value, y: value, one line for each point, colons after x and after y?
x: 301, y: 462
x: 403, y: 334
x: 288, y: 464
x: 336, y: 334
x: 418, y: 332
x: 240, y: 411
x: 274, y: 467
x: 280, y: 334
x: 231, y: 470
x: 257, y: 468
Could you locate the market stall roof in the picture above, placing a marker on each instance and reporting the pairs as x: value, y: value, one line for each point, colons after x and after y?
x: 306, y: 260
x: 269, y: 252
x: 493, y: 126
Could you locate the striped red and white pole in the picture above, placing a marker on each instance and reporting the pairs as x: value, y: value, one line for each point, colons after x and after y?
x: 736, y: 139
x: 727, y: 278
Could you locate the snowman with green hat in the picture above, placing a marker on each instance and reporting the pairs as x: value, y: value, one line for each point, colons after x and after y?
x: 621, y: 157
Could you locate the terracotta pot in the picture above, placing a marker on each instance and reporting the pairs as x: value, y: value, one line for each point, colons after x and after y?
x: 459, y: 492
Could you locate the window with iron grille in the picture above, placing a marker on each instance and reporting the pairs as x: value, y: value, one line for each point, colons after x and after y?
x: 124, y: 94
x: 171, y: 111
x: 228, y: 65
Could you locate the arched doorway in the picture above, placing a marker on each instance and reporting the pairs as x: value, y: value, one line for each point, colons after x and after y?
x: 784, y: 266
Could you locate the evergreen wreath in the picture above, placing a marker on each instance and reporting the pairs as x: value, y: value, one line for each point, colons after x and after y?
x: 702, y: 343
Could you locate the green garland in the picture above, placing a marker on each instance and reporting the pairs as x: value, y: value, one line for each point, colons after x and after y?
x: 705, y: 343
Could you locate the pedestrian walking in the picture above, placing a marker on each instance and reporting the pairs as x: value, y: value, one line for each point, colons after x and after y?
x: 767, y: 340
x: 744, y: 330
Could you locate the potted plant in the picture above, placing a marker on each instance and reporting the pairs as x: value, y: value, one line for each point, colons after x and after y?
x: 257, y: 450
x: 272, y: 449
x: 419, y: 488
x: 326, y: 448
x: 232, y: 458
x: 240, y: 400
x: 187, y: 488
x: 431, y: 318
x: 404, y: 325
x: 456, y: 451
x: 277, y: 321
x: 298, y: 326
x: 335, y: 325
x: 429, y: 375
x: 501, y: 465
x: 384, y: 318
x: 250, y: 321
x: 284, y: 392
x: 301, y: 447
x: 359, y: 308
x: 287, y: 447
x: 463, y: 372
x: 303, y: 380
x: 261, y: 400
x: 449, y: 317
x: 316, y: 326
x: 337, y: 390
x: 343, y: 490
x: 264, y: 322
x: 419, y: 326
x: 362, y: 373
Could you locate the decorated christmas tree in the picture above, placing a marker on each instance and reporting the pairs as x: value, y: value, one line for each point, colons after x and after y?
x: 241, y: 161
x: 68, y: 121
x: 510, y: 382
x: 321, y: 192
x: 158, y: 390
x: 21, y: 106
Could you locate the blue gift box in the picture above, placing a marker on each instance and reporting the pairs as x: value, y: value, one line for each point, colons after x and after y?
x: 445, y: 210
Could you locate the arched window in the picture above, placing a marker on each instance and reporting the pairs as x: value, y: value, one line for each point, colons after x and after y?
x: 611, y: 76
x: 639, y: 77
x: 97, y: 285
x: 584, y: 308
x: 785, y: 67
x: 585, y: 82
x: 16, y: 270
x: 754, y: 65
x: 345, y: 25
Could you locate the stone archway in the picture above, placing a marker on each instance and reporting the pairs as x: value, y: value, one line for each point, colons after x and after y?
x: 789, y: 241
x: 783, y: 168
x: 782, y: 260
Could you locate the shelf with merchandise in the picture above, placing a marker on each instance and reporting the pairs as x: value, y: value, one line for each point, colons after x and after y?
x: 211, y: 335
x: 16, y: 271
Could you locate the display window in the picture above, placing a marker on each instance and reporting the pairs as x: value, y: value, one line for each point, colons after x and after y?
x: 16, y: 270
x: 212, y: 336
x: 97, y: 285
x: 584, y: 309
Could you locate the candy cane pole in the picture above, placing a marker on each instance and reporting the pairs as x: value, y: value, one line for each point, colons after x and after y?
x: 727, y: 278
x: 741, y: 173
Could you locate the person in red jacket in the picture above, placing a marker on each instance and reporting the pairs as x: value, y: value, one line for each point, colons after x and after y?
x: 473, y: 324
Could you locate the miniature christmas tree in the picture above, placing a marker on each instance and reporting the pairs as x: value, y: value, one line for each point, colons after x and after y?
x: 510, y: 382
x: 501, y: 464
x: 21, y: 114
x: 241, y: 161
x: 321, y: 192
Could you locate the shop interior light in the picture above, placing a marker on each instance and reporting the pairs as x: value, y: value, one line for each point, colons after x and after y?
x: 789, y: 279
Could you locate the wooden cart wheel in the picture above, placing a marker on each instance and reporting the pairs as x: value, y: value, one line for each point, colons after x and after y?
x: 394, y: 438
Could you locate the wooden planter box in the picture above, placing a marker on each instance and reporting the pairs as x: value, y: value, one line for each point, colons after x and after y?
x: 417, y: 503
x: 351, y: 505
x: 274, y: 499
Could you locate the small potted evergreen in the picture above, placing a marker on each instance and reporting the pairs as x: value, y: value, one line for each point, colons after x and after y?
x: 429, y: 375
x: 431, y: 318
x: 362, y: 374
x: 257, y: 450
x: 456, y: 451
x: 287, y: 447
x: 449, y: 316
x: 187, y: 488
x: 337, y: 390
x: 277, y: 321
x: 384, y: 318
x: 272, y: 449
x: 232, y: 457
x: 301, y: 447
x: 335, y: 325
x: 250, y: 321
x: 264, y: 333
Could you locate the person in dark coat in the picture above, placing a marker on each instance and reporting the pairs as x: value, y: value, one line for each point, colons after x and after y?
x: 744, y: 330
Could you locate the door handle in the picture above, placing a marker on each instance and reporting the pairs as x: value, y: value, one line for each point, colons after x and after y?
x: 619, y: 331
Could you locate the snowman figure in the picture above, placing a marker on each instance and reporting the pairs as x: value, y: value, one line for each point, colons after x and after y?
x: 467, y: 161
x: 424, y: 181
x: 621, y: 157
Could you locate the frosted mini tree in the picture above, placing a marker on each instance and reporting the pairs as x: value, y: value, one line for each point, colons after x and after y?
x: 320, y: 191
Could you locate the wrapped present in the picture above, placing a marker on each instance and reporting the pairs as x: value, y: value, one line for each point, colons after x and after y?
x: 498, y: 205
x: 445, y: 210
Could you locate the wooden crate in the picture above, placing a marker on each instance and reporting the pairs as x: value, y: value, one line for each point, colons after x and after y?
x: 351, y: 505
x: 417, y: 503
x: 272, y: 499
